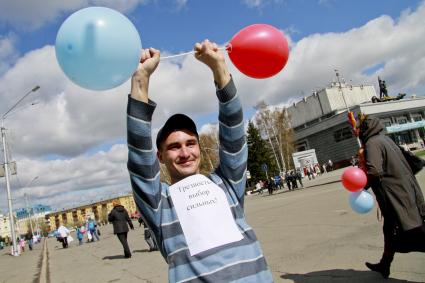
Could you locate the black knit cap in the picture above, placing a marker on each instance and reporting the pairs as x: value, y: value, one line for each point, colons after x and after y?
x: 175, y: 123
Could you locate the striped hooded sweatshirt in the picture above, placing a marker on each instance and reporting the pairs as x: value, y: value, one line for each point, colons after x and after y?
x: 240, y: 261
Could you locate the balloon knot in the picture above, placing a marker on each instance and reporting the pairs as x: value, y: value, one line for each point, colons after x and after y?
x: 229, y: 48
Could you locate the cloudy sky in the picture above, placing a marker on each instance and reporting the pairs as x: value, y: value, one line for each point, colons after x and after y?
x: 72, y: 140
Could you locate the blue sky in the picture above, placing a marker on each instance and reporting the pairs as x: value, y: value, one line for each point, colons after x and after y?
x: 73, y: 139
x: 167, y: 26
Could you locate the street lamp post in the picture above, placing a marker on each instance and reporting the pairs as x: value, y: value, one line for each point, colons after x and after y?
x: 345, y: 102
x: 27, y: 207
x: 6, y: 171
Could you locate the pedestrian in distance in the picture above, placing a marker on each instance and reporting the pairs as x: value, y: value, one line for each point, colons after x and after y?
x: 330, y: 165
x: 149, y: 236
x: 29, y: 239
x: 259, y: 187
x: 91, y: 228
x: 299, y: 177
x: 80, y: 235
x: 397, y: 192
x: 223, y: 247
x: 288, y: 180
x: 324, y: 168
x: 293, y: 178
x: 269, y: 185
x: 120, y: 219
x: 22, y: 244
x: 63, y: 234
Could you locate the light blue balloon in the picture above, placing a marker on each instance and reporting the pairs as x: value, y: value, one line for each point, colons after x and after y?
x: 361, y: 202
x: 98, y: 48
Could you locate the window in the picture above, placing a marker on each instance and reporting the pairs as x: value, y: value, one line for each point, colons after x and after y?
x: 343, y: 134
x: 401, y: 120
x: 417, y: 117
x: 386, y: 122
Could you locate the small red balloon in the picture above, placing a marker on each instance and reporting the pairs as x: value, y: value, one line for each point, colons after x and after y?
x: 354, y: 179
x: 259, y: 51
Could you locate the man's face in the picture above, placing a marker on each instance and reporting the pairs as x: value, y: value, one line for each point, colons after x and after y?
x: 180, y: 153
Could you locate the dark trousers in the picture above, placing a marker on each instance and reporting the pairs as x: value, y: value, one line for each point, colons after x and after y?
x: 64, y: 242
x: 123, y: 239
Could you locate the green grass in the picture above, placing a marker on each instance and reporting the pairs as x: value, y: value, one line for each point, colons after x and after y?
x: 420, y: 153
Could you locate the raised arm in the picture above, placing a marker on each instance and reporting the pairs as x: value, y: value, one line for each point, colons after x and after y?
x: 142, y: 163
x: 233, y: 150
x: 140, y: 80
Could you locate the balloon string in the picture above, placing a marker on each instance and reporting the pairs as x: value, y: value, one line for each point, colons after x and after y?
x: 228, y: 47
x: 178, y: 55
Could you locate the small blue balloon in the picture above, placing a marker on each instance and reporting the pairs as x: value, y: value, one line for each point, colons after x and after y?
x: 361, y: 202
x: 98, y: 48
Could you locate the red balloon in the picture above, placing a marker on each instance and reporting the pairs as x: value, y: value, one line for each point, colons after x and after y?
x: 354, y: 179
x: 259, y: 51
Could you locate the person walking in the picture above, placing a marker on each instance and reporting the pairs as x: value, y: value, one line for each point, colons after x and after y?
x: 299, y: 177
x: 91, y: 228
x: 288, y: 180
x: 148, y: 234
x: 63, y: 233
x: 259, y: 187
x: 293, y: 178
x: 30, y: 240
x: 80, y: 235
x: 330, y: 165
x: 22, y: 244
x: 397, y: 192
x: 119, y: 219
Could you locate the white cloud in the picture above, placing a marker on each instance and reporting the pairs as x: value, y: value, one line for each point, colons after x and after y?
x: 69, y: 121
x: 8, y: 52
x: 32, y: 14
x: 260, y: 3
x: 76, y: 177
x: 181, y: 3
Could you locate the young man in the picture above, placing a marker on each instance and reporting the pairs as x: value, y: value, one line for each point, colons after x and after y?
x: 224, y: 254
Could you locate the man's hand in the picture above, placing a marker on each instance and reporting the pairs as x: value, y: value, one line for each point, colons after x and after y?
x: 207, y: 52
x: 140, y: 81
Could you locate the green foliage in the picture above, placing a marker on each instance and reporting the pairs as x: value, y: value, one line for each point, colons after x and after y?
x: 420, y: 153
x: 259, y: 153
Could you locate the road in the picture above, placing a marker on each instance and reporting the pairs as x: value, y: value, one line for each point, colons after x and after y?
x: 307, y: 235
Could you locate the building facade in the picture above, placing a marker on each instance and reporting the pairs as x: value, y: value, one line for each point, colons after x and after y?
x: 78, y: 215
x: 4, y: 226
x: 320, y: 121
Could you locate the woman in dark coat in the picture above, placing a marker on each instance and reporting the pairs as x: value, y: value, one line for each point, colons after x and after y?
x: 119, y: 218
x: 397, y: 192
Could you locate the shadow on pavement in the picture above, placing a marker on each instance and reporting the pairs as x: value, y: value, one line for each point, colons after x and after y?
x: 114, y: 257
x: 340, y: 275
x: 142, y: 251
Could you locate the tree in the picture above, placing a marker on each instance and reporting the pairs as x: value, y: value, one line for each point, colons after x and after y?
x: 259, y: 153
x: 286, y: 136
x: 164, y: 177
x: 209, y: 153
x: 275, y: 125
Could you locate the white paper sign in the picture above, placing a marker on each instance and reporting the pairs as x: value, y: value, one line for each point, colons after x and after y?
x: 204, y: 214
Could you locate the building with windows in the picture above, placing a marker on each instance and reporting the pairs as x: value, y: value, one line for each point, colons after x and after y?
x: 99, y: 211
x: 320, y: 121
x: 4, y: 226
